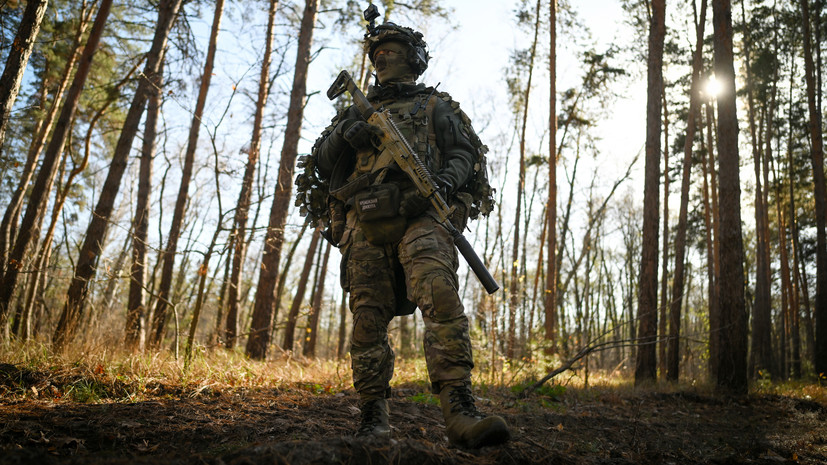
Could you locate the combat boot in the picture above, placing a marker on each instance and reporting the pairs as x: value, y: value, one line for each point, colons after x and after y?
x: 466, y: 426
x: 374, y: 419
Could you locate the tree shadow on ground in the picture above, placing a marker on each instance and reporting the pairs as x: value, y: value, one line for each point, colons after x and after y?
x: 302, y: 424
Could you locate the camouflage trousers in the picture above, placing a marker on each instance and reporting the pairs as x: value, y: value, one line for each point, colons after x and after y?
x: 421, y: 266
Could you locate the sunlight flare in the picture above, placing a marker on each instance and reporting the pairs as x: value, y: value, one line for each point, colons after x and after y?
x: 713, y: 87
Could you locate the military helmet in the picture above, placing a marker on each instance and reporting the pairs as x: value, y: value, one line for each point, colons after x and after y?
x: 418, y: 56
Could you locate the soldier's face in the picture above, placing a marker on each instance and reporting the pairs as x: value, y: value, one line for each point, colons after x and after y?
x: 391, y: 64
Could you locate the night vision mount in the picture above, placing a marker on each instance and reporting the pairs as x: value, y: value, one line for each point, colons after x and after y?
x: 371, y: 13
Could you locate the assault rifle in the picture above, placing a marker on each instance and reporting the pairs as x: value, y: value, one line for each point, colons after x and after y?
x: 395, y: 144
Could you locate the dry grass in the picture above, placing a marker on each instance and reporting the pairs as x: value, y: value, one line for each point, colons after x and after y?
x: 102, y: 374
x: 117, y: 375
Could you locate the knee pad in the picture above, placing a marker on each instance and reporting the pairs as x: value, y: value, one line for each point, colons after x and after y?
x: 438, y: 297
x: 369, y: 327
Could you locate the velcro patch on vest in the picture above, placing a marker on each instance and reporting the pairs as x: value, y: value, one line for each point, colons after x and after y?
x: 369, y: 204
x: 377, y: 202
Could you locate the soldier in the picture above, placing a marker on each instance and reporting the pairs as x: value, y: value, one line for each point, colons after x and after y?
x: 395, y: 255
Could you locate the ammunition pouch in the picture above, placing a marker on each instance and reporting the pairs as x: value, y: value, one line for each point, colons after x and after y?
x: 346, y: 191
x: 377, y: 209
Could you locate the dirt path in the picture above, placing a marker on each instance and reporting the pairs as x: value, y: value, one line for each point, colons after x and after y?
x: 304, y: 425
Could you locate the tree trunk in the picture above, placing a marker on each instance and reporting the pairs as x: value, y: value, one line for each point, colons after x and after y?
x: 293, y: 315
x: 550, y: 296
x: 673, y: 356
x: 514, y: 287
x: 713, y: 229
x: 274, y: 240
x: 761, y: 353
x: 51, y: 159
x: 114, y: 278
x: 769, y: 135
x: 732, y: 332
x: 160, y: 315
x: 316, y: 309
x: 199, y: 300
x: 646, y: 366
x: 135, y: 309
x: 18, y: 59
x: 561, y: 315
x: 790, y: 307
x: 538, y: 276
x: 243, y: 205
x: 92, y: 244
x: 8, y: 226
x: 799, y: 288
x: 817, y: 156
x: 36, y: 269
x: 664, y: 281
x: 283, y: 276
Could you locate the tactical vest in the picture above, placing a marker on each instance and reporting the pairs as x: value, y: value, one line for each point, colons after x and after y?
x: 414, y: 118
x: 318, y: 199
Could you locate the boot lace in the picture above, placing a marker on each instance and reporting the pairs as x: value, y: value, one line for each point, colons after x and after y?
x: 462, y: 401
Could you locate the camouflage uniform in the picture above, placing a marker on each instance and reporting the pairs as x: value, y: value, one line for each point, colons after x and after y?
x: 396, y: 255
x: 419, y: 267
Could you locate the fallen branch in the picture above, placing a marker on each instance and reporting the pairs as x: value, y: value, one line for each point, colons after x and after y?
x: 588, y: 349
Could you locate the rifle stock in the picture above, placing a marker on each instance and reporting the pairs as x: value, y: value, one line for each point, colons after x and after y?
x: 394, y: 143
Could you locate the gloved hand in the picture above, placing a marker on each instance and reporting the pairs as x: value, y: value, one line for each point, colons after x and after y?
x: 413, y: 205
x: 445, y: 186
x: 360, y: 134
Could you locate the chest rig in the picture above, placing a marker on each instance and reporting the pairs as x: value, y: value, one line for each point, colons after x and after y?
x: 414, y: 118
x: 376, y: 185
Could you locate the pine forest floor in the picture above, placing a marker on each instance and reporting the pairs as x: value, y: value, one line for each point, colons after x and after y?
x: 86, y: 414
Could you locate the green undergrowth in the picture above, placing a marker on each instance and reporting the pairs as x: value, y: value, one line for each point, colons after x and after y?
x: 424, y: 398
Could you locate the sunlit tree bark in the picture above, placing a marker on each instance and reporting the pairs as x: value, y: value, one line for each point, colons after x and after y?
x: 48, y: 168
x: 243, y: 205
x: 263, y: 308
x: 159, y: 317
x: 550, y: 296
x: 18, y: 59
x: 93, y: 243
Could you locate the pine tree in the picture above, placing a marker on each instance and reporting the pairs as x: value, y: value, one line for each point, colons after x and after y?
x: 646, y: 366
x: 264, y: 302
x: 92, y: 246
